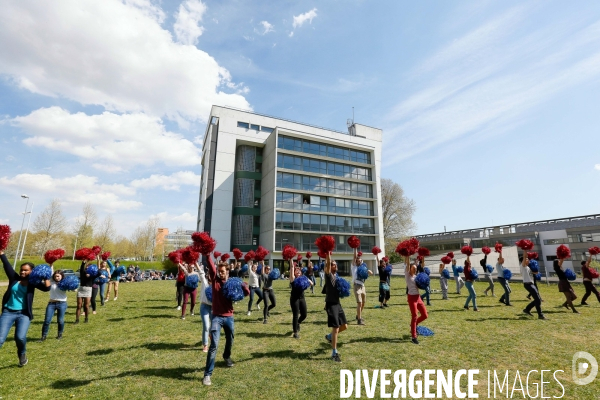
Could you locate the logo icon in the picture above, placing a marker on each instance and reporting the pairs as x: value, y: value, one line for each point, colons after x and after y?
x: 579, y: 368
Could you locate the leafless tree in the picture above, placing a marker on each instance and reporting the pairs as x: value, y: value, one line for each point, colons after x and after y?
x: 143, y: 239
x: 85, y: 225
x: 106, y: 233
x: 49, y: 226
x: 398, y: 211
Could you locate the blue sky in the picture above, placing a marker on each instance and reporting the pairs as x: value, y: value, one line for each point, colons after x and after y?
x: 489, y: 109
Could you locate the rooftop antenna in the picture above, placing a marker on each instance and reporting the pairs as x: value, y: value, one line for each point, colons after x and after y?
x: 350, y: 125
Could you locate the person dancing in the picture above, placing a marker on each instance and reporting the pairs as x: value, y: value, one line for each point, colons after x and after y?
x: 310, y: 274
x: 564, y: 286
x: 421, y: 268
x: 530, y: 287
x: 254, y: 284
x: 84, y: 293
x: 268, y: 293
x: 297, y: 301
x: 488, y: 276
x: 205, y: 308
x: 459, y: 282
x: 505, y: 298
x: 443, y: 282
x: 413, y: 296
x: 469, y: 279
x: 57, y: 303
x: 588, y: 276
x: 179, y: 284
x: 114, y: 279
x: 384, y: 286
x: 99, y: 285
x: 336, y: 318
x: 360, y: 291
x: 190, y: 287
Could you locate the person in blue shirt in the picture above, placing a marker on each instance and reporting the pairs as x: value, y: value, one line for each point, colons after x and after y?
x: 459, y: 282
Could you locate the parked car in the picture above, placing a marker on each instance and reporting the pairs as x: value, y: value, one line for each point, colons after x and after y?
x: 68, y: 272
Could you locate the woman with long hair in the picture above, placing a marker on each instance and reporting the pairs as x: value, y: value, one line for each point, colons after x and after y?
x: 190, y: 287
x: 469, y: 279
x: 254, y: 285
x: 588, y: 276
x: 336, y: 318
x: 114, y: 279
x: 179, y: 284
x: 205, y: 308
x: 415, y: 303
x: 297, y: 301
x: 268, y: 293
x: 84, y: 293
x: 384, y: 286
x: 99, y: 285
x: 564, y: 286
x: 57, y: 303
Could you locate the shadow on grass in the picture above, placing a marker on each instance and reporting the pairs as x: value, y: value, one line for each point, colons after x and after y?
x: 284, y: 354
x: 101, y: 352
x: 157, y: 316
x: 260, y: 335
x: 160, y: 307
x: 173, y: 373
x: 116, y: 319
x: 378, y: 339
x: 521, y: 318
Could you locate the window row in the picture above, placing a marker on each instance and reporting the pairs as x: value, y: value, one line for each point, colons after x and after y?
x: 255, y: 127
x: 297, y: 201
x: 323, y: 167
x: 324, y: 185
x: 505, y: 241
x: 323, y: 223
x: 324, y: 150
x: 306, y: 242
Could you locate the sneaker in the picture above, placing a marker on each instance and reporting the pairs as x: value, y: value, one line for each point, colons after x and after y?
x: 182, y: 317
x: 295, y: 336
x: 575, y: 311
x: 264, y: 321
x: 94, y: 312
x: 361, y: 321
x: 192, y: 313
x: 229, y: 362
x: 23, y: 360
x: 583, y: 303
x: 59, y: 337
x: 249, y: 313
x: 484, y: 293
x: 42, y: 339
x: 509, y: 305
x: 206, y: 381
x: 336, y: 358
x: 76, y: 321
x: 85, y: 321
x: 475, y: 309
x: 106, y: 299
x: 115, y: 299
x: 385, y: 305
x: 178, y: 308
x: 466, y: 307
x: 541, y: 317
x: 205, y: 349
x: 527, y: 312
x: 414, y: 340
x: 328, y: 338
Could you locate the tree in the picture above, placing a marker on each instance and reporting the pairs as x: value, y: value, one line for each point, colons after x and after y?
x: 397, y: 211
x: 49, y: 226
x: 85, y: 225
x: 106, y: 233
x: 143, y: 239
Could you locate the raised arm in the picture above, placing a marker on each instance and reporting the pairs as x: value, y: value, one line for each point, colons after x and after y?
x: 212, y: 270
x: 355, y: 257
x: 182, y: 269
x: 328, y: 264
x: 292, y: 274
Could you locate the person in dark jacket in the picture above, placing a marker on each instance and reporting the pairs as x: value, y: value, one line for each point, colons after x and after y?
x: 16, y: 305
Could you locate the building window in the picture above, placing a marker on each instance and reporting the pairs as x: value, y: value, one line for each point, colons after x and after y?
x: 323, y: 223
x: 255, y: 127
x: 243, y: 125
x: 556, y: 241
x: 323, y: 185
x: 323, y: 167
x: 306, y: 242
x: 296, y: 201
x: 320, y: 149
x: 242, y: 229
x: 265, y: 129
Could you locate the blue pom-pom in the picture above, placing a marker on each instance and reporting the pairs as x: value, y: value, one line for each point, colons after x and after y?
x: 570, y: 274
x: 424, y: 331
x: 301, y: 282
x: 362, y: 273
x: 446, y: 274
x: 422, y: 280
x: 343, y: 287
x: 191, y: 281
x: 427, y: 271
x: 92, y: 270
x: 208, y: 293
x: 102, y: 277
x: 232, y: 289
x: 507, y: 274
x: 474, y: 274
x: 538, y: 277
x: 459, y: 269
x: 303, y: 270
x: 259, y: 269
x: 534, y: 266
x: 316, y: 268
x: 274, y: 274
x: 40, y: 273
x: 490, y: 269
x: 70, y: 282
x: 244, y: 269
x: 388, y: 269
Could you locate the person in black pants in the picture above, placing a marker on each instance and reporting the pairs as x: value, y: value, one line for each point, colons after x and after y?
x: 268, y: 293
x: 530, y: 287
x: 564, y: 286
x: 297, y: 301
x: 384, y: 286
x: 588, y: 276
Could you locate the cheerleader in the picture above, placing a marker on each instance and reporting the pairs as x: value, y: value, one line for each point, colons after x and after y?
x: 469, y: 284
x: 179, y: 284
x: 205, y: 309
x: 254, y: 285
x: 310, y: 274
x: 384, y: 286
x: 84, y: 293
x: 488, y: 276
x: 505, y: 298
x: 268, y: 293
x: 443, y: 282
x: 360, y: 291
x: 564, y: 286
x: 426, y: 295
x: 17, y: 305
x: 190, y: 288
x: 586, y: 270
x: 99, y: 285
x: 297, y: 301
x: 415, y: 303
x: 57, y: 303
x: 336, y: 318
x: 114, y: 280
x: 530, y: 287
x: 459, y: 282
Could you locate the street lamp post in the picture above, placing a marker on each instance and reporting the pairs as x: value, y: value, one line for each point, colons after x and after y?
x: 26, y: 231
x: 24, y: 196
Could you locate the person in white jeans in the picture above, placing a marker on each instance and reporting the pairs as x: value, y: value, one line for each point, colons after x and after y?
x: 459, y: 282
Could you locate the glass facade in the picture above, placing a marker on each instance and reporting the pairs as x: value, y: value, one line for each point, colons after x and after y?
x: 323, y: 167
x: 324, y: 185
x: 306, y: 242
x: 298, y: 201
x: 324, y: 150
x: 323, y: 223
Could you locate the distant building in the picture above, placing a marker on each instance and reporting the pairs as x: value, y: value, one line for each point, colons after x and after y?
x: 168, y: 241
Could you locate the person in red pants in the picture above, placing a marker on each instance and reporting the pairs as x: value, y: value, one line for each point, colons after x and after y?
x: 414, y: 299
x: 588, y: 276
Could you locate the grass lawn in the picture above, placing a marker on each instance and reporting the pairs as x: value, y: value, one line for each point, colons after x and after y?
x: 138, y: 347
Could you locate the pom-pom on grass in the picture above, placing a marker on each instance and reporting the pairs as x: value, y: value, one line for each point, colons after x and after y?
x: 594, y: 250
x: 446, y: 260
x: 249, y: 255
x: 524, y: 244
x: 289, y: 252
x: 261, y: 253
x: 274, y: 274
x: 362, y: 273
x: 325, y: 244
x: 422, y: 280
x: 423, y: 252
x: 175, y: 257
x: 408, y: 247
x: 343, y: 287
x: 69, y: 283
x: 92, y: 270
x: 105, y: 256
x: 237, y: 254
x: 424, y: 331
x: 459, y: 269
x: 191, y: 281
x: 489, y: 268
x: 4, y: 236
x: 203, y: 243
x: 570, y: 274
x: 486, y: 250
x: 301, y: 282
x: 451, y: 255
x: 466, y: 250
x: 446, y: 274
x: 216, y: 254
x: 507, y: 274
x: 40, y: 273
x: 354, y: 242
x: 563, y: 252
x: 532, y: 255
x: 427, y: 271
x: 534, y: 266
x: 208, y: 293
x: 232, y: 289
x: 498, y: 247
x: 308, y: 255
x: 375, y: 250
x: 52, y: 255
x: 225, y: 257
x: 189, y: 255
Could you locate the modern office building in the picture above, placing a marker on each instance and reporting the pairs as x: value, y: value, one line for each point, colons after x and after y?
x: 577, y: 233
x: 269, y: 181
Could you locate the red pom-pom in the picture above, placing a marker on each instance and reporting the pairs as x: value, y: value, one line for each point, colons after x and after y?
x: 594, y: 250
x: 308, y: 255
x: 325, y: 243
x: 105, y: 256
x: 467, y: 250
x: 321, y: 254
x: 354, y: 242
x: 532, y: 255
x: 593, y: 273
x: 451, y: 255
x: 299, y: 257
x: 524, y: 244
x: 85, y: 254
x: 375, y: 250
x: 217, y: 254
x: 261, y: 253
x: 175, y: 256
x: 359, y: 254
x: 249, y: 255
x: 203, y: 242
x: 225, y: 257
x: 190, y: 255
x: 423, y: 252
x: 289, y: 252
x: 237, y: 254
x: 563, y: 252
x: 486, y: 250
x: 498, y: 247
x: 408, y: 247
x: 385, y: 259
x: 4, y: 236
x: 446, y: 260
x: 52, y: 255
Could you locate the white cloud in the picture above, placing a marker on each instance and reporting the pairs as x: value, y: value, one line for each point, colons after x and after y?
x: 299, y: 20
x: 597, y: 167
x: 266, y: 28
x: 168, y: 182
x: 165, y: 218
x: 10, y: 158
x: 78, y: 189
x: 112, y: 54
x: 291, y: 34
x: 118, y: 141
x: 189, y: 16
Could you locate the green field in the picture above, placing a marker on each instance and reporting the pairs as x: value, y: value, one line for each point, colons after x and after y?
x: 138, y: 347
